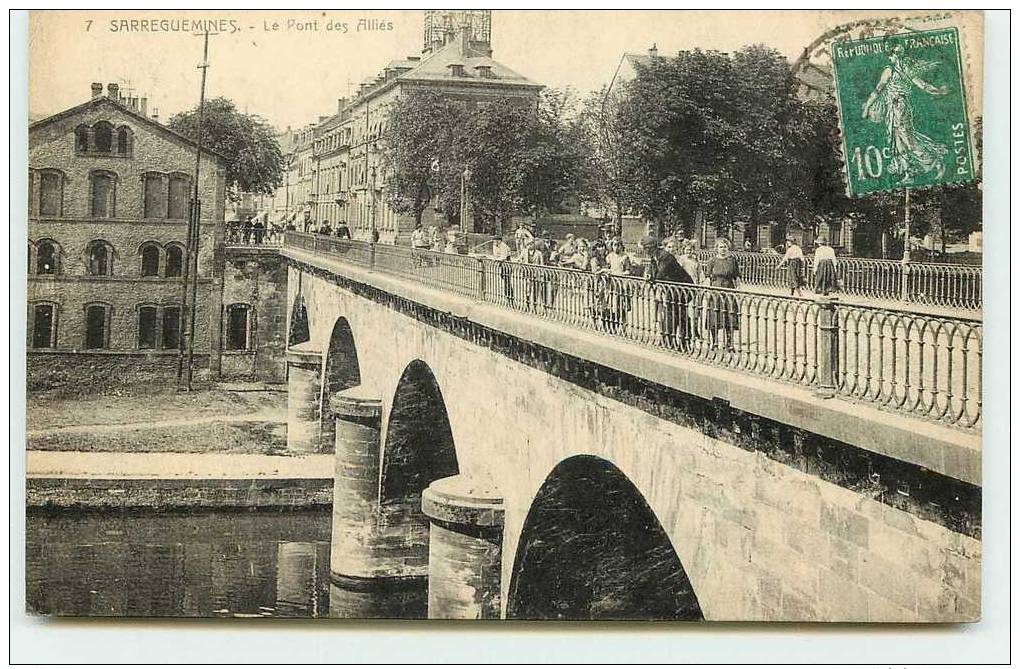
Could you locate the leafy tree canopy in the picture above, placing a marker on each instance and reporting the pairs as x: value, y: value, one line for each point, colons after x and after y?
x: 248, y: 142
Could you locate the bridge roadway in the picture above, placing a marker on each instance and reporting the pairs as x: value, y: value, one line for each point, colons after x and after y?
x: 517, y: 466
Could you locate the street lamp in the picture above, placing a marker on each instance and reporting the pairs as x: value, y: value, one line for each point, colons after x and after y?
x: 464, y: 177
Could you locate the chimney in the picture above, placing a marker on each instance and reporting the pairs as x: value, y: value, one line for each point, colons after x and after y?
x: 113, y: 91
x: 465, y: 39
x: 145, y: 106
x: 340, y: 104
x: 97, y: 89
x: 414, y: 59
x: 654, y: 51
x: 155, y: 113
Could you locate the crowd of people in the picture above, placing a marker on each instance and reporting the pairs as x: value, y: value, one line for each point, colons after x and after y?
x: 683, y: 315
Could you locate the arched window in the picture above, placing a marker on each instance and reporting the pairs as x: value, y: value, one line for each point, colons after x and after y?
x: 171, y: 327
x: 154, y: 202
x: 31, y: 257
x: 180, y: 185
x: 237, y: 327
x: 97, y: 326
x: 43, y: 321
x: 81, y: 139
x: 174, y: 260
x: 51, y: 193
x: 150, y: 259
x: 148, y: 318
x: 47, y: 257
x: 123, y: 140
x: 104, y: 194
x: 99, y: 258
x: 102, y: 137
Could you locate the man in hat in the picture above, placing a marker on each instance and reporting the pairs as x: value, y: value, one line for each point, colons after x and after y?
x: 671, y: 302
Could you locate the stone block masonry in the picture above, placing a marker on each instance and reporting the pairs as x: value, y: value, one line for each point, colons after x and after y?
x: 770, y: 521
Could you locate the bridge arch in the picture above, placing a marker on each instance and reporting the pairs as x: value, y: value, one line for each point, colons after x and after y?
x: 341, y: 370
x: 418, y: 449
x: 592, y: 548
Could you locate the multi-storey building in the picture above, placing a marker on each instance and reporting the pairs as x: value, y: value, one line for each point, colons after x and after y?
x: 109, y: 200
x: 345, y: 155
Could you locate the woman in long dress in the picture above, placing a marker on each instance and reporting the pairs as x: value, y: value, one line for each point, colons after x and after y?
x: 826, y: 280
x: 794, y: 263
x: 723, y: 308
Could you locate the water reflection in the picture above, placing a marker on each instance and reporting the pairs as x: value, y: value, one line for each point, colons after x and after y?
x: 236, y: 564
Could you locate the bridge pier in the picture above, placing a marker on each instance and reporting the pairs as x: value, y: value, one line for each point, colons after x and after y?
x: 465, y: 548
x: 365, y: 545
x: 304, y: 383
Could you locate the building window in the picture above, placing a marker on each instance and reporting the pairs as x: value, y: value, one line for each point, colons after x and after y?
x: 99, y: 260
x: 123, y: 140
x: 237, y: 327
x: 81, y: 139
x: 51, y: 193
x: 154, y: 204
x: 174, y: 260
x: 150, y: 259
x: 44, y: 326
x: 102, y: 136
x: 103, y: 194
x: 147, y: 318
x: 171, y: 327
x: 47, y: 257
x: 178, y: 206
x: 97, y: 326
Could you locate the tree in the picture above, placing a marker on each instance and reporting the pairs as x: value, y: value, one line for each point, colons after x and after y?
x: 519, y: 155
x: 419, y: 141
x: 717, y: 132
x: 254, y: 161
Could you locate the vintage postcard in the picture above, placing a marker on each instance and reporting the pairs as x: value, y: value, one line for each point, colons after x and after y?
x: 491, y: 314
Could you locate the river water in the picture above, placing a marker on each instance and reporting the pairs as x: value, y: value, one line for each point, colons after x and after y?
x: 205, y: 564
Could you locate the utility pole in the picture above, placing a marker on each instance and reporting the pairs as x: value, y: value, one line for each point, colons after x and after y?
x: 194, y: 224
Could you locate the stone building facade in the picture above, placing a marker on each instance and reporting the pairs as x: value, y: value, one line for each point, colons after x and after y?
x: 336, y: 172
x: 109, y: 201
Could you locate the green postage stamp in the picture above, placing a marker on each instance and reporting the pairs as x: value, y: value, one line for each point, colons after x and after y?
x: 903, y: 111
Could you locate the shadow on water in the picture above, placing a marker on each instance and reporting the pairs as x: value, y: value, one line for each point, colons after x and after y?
x: 202, y: 564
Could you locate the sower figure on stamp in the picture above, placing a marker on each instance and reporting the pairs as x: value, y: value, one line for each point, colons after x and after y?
x: 671, y: 305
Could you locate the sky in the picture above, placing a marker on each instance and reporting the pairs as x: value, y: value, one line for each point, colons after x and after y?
x: 290, y: 67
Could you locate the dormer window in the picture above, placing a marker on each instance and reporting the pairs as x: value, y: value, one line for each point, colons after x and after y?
x: 484, y: 71
x: 457, y: 70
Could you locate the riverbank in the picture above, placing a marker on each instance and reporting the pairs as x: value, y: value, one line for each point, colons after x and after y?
x: 75, y: 480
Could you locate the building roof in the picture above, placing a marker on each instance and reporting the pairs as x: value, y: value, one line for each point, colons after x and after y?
x: 437, y: 68
x: 121, y: 107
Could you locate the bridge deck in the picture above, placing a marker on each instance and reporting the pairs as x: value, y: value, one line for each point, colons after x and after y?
x: 927, y: 443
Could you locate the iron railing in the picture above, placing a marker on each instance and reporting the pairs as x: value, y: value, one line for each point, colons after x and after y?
x: 239, y: 234
x: 937, y: 284
x: 924, y: 365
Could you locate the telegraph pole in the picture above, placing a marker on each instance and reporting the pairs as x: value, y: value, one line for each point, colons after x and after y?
x: 194, y: 223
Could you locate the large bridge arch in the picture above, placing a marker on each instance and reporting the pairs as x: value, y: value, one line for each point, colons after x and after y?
x: 341, y: 369
x: 592, y: 548
x: 418, y: 448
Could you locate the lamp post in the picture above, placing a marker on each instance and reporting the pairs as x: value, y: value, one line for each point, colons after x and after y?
x: 464, y: 177
x: 371, y: 203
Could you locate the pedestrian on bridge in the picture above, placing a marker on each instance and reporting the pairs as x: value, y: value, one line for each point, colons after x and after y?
x: 826, y: 280
x: 502, y: 252
x: 794, y: 263
x: 723, y: 308
x: 671, y: 301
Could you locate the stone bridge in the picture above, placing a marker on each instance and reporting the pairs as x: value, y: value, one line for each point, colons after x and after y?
x: 516, y: 467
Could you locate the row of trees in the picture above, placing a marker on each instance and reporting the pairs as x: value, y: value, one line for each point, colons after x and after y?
x: 514, y: 155
x: 721, y: 133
